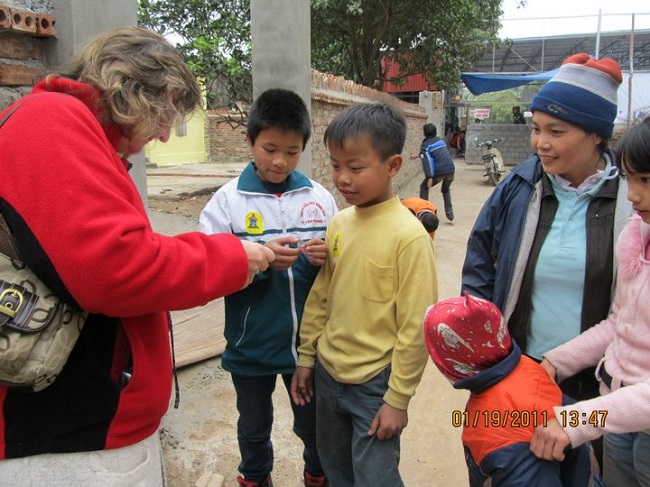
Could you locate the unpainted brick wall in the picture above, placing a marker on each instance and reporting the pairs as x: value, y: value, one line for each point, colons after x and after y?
x: 226, y: 137
x: 330, y: 95
x: 24, y: 28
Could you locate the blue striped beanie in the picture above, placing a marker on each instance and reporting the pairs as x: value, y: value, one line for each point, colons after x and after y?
x: 583, y: 93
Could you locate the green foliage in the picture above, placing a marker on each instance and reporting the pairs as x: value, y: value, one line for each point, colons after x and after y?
x: 500, y: 103
x: 436, y: 38
x: 213, y: 37
x: 351, y: 38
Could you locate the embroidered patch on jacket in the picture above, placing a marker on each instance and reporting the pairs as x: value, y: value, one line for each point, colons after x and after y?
x: 254, y: 223
x: 312, y: 213
x: 336, y: 246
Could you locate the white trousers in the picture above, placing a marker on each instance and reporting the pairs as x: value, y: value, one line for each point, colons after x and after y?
x: 138, y: 465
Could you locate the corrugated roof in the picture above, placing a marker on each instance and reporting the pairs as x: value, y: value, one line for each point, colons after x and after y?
x: 535, y: 54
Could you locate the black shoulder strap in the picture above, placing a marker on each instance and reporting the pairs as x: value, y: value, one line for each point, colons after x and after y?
x: 10, y: 113
x: 7, y: 246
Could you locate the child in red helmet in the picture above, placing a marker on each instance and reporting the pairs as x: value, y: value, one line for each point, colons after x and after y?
x: 510, y: 394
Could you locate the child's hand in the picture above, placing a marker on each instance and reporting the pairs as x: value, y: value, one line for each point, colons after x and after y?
x: 284, y: 256
x: 302, y: 385
x: 549, y: 442
x: 316, y: 251
x: 388, y: 422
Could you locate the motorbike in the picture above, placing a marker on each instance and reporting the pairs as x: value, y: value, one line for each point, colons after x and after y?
x: 492, y: 161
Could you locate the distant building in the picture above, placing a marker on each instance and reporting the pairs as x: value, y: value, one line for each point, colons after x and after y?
x: 409, y: 90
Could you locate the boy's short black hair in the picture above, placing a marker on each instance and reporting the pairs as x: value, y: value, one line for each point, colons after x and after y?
x: 429, y: 219
x: 384, y: 124
x: 430, y: 130
x: 281, y: 109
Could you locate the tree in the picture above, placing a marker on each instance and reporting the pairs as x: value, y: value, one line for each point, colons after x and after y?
x: 350, y: 38
x: 214, y: 38
x: 435, y: 38
x: 501, y: 102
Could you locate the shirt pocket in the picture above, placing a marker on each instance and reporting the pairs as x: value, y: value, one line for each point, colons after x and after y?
x: 377, y: 282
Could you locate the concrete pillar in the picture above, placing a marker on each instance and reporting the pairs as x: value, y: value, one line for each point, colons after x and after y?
x: 281, y: 42
x: 425, y: 100
x: 433, y: 106
x: 77, y: 21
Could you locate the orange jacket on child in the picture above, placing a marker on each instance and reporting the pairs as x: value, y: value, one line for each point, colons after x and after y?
x: 421, y: 207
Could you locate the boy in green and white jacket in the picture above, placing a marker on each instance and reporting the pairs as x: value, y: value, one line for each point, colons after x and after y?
x: 274, y: 204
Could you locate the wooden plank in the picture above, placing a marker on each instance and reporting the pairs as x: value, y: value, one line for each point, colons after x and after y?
x: 198, y: 333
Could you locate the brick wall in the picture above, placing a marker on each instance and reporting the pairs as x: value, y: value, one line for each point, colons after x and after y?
x: 226, y: 137
x: 24, y: 27
x: 330, y: 95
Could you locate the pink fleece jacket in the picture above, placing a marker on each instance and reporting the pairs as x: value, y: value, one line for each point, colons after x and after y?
x: 622, y: 343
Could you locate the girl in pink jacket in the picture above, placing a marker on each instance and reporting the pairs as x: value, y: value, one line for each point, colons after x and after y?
x: 619, y: 346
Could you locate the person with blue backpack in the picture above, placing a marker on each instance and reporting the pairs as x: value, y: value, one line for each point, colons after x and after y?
x: 438, y: 166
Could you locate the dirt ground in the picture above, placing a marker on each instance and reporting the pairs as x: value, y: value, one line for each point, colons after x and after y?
x: 200, y: 438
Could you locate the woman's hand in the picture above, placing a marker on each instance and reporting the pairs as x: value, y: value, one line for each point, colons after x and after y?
x: 549, y: 442
x: 259, y: 259
x: 550, y: 369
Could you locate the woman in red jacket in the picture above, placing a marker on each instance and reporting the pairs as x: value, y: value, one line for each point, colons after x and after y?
x: 79, y: 223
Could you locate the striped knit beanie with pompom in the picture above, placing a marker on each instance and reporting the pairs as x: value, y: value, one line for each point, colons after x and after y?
x: 583, y: 93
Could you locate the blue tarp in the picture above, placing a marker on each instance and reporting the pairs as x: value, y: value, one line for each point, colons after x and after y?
x: 479, y: 83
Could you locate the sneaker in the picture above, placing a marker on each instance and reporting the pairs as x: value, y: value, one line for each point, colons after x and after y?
x: 252, y: 483
x: 315, y: 480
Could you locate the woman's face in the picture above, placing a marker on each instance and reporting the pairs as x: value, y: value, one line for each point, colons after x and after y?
x: 133, y: 145
x: 564, y: 149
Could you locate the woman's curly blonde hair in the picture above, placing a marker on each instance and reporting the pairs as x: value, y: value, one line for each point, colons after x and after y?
x: 144, y: 81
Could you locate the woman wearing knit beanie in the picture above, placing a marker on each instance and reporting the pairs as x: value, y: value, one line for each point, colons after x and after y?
x: 546, y: 235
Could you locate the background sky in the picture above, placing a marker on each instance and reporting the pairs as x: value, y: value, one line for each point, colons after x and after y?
x: 559, y: 17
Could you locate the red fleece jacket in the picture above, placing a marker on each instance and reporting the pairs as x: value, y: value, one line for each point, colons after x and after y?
x: 69, y: 199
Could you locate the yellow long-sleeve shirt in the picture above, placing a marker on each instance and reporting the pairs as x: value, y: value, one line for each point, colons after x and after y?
x: 366, y: 307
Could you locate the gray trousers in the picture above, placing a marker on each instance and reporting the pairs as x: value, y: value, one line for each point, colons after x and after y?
x: 137, y: 465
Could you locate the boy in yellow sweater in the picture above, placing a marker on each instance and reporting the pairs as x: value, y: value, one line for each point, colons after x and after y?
x: 361, y: 333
